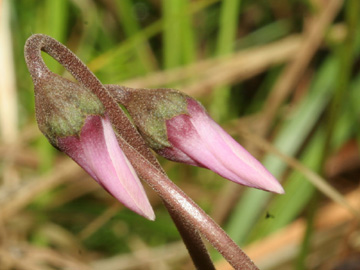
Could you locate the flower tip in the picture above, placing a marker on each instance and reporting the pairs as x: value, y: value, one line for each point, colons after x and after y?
x: 150, y: 215
x: 145, y: 210
x: 97, y: 151
x: 266, y: 181
x: 136, y: 201
x: 277, y: 188
x: 141, y: 207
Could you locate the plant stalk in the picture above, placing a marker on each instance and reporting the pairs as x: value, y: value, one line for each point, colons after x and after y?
x: 134, y: 147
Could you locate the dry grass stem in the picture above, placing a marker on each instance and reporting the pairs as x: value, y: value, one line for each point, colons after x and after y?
x: 73, y: 190
x: 312, y: 177
x: 99, y: 221
x: 25, y: 257
x: 12, y: 201
x: 167, y: 253
x: 225, y: 201
x: 220, y: 71
x: 143, y: 253
x: 283, y: 245
x: 313, y: 37
x: 61, y: 238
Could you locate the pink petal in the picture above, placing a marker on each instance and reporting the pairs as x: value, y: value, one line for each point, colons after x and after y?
x: 208, y: 144
x: 98, y: 153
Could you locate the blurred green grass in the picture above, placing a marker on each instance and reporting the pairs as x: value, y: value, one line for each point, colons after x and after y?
x: 125, y: 40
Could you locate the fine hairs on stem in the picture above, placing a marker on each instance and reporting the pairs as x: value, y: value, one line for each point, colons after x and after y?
x: 189, y: 218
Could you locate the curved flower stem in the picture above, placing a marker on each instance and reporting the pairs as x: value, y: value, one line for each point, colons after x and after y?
x: 143, y: 161
x: 192, y: 241
x: 191, y: 212
x: 40, y: 72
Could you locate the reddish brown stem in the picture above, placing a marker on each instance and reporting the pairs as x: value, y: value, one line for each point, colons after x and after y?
x: 189, y: 234
x: 192, y: 241
x: 144, y: 162
x: 40, y: 71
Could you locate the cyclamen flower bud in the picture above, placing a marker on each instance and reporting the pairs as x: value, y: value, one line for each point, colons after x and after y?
x: 178, y: 128
x: 74, y: 121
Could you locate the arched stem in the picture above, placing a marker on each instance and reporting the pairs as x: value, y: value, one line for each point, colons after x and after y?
x: 192, y: 217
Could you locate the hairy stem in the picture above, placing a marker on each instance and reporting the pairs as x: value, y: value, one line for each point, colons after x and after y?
x: 192, y: 240
x: 144, y: 162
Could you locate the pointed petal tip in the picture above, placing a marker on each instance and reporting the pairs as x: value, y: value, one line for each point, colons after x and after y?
x: 141, y: 207
x: 98, y: 153
x: 150, y: 216
x: 278, y: 189
x: 145, y: 211
x: 271, y: 185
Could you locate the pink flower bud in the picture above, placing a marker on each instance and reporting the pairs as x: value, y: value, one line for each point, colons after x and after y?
x: 97, y: 151
x: 178, y: 128
x: 197, y: 140
x: 74, y: 121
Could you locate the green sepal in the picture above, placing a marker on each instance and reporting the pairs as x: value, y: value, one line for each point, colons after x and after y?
x: 150, y: 109
x: 62, y: 107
